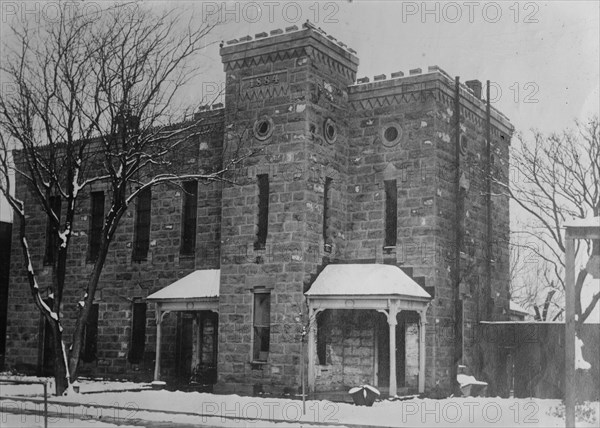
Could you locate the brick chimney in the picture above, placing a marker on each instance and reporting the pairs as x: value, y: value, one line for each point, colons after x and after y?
x: 475, y: 86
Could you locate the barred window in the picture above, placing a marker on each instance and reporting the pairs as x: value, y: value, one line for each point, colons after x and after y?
x: 263, y: 211
x: 141, y: 242
x: 52, y: 232
x: 391, y: 213
x: 189, y: 218
x: 326, y: 209
x: 138, y: 332
x: 262, y: 325
x: 96, y: 225
x: 90, y: 336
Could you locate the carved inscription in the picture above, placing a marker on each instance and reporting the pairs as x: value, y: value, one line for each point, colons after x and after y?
x: 265, y: 86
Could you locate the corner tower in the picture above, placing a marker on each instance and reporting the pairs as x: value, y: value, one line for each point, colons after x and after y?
x: 286, y: 102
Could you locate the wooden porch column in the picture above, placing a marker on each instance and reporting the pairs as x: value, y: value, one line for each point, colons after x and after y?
x: 392, y: 321
x: 158, y: 341
x: 422, y: 326
x: 311, y: 347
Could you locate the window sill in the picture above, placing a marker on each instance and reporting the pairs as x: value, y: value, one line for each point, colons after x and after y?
x: 257, y: 365
x: 389, y: 249
x: 187, y: 256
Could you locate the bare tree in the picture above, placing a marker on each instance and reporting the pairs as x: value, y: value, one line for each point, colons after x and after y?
x: 89, y: 99
x: 554, y: 179
x: 532, y: 282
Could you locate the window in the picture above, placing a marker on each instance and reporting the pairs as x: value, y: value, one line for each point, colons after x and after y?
x: 190, y: 213
x: 52, y: 232
x: 262, y: 326
x: 322, y: 320
x: 90, y: 336
x: 326, y: 212
x: 263, y: 212
x: 138, y: 332
x: 141, y: 242
x: 263, y: 128
x: 96, y: 224
x: 329, y: 130
x: 464, y: 145
x: 391, y: 213
x: 391, y: 134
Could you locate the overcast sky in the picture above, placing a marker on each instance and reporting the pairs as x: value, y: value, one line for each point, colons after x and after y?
x: 542, y: 57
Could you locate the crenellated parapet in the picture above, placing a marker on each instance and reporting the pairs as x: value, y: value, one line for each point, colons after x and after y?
x: 293, y: 43
x: 437, y: 83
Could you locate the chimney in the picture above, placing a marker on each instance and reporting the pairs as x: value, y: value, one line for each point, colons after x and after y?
x: 475, y: 86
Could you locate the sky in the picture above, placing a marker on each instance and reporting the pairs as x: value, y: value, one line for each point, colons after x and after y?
x: 542, y: 57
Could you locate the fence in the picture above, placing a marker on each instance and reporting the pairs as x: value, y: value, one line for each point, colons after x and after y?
x: 32, y: 382
x: 529, y: 359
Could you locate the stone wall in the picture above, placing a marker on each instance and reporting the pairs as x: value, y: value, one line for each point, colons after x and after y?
x: 122, y: 280
x: 276, y: 81
x: 292, y: 103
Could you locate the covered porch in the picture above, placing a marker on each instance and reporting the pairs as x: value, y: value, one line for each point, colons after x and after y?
x: 378, y: 295
x: 196, y: 298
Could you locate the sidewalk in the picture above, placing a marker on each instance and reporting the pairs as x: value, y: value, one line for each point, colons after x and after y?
x: 134, y: 416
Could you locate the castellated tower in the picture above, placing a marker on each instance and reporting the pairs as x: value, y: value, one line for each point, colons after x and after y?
x: 288, y: 92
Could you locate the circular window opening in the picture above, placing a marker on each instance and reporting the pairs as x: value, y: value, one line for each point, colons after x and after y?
x: 263, y: 128
x: 463, y: 145
x: 391, y: 134
x: 330, y: 131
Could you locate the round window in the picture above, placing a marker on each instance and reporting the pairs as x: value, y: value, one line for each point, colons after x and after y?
x: 391, y: 134
x: 464, y: 145
x: 330, y: 130
x: 263, y: 128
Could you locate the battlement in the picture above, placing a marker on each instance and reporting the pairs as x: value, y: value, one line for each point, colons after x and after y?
x: 292, y: 29
x: 435, y: 78
x: 294, y: 42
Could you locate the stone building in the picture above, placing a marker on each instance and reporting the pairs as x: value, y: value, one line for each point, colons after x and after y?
x: 351, y: 227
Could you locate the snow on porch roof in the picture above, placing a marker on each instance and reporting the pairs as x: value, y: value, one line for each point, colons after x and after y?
x: 365, y: 279
x: 584, y: 222
x: 200, y: 284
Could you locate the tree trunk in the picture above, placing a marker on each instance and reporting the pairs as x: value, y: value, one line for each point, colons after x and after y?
x: 60, y: 369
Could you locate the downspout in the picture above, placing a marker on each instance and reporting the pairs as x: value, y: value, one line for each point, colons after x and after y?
x: 458, y: 316
x: 489, y: 231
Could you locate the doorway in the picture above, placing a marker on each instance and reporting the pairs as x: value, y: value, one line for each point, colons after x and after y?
x: 196, y: 347
x: 184, y: 346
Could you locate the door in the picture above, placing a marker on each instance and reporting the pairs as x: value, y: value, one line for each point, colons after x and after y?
x: 184, y: 346
x: 206, y: 372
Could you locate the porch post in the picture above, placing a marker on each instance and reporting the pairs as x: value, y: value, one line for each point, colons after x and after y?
x: 158, y: 341
x: 422, y: 324
x: 392, y: 321
x: 311, y: 347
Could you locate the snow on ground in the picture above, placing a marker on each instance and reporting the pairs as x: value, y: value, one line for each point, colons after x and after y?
x: 233, y: 410
x: 85, y: 386
x: 9, y: 420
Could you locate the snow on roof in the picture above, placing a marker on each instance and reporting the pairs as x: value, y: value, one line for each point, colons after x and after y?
x: 584, y: 222
x: 365, y: 279
x: 200, y: 284
x: 515, y: 307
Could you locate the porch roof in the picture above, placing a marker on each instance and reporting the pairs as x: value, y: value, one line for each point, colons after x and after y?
x: 200, y: 285
x: 365, y: 280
